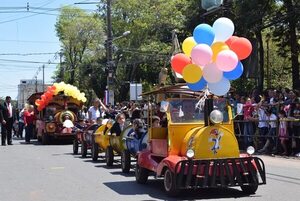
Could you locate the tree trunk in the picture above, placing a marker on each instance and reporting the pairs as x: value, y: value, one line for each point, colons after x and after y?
x: 72, y: 76
x: 293, y: 44
x: 261, y: 71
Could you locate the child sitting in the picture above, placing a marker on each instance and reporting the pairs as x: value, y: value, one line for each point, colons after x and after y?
x: 138, y: 128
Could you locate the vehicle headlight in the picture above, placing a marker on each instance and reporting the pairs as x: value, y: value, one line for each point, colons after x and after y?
x: 50, y: 127
x: 190, y: 153
x: 250, y: 150
x: 216, y: 116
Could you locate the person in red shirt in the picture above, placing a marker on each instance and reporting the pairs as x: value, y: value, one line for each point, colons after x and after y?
x: 29, y: 119
x: 248, y: 126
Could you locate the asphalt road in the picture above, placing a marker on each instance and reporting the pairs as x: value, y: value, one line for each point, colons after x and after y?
x: 51, y: 173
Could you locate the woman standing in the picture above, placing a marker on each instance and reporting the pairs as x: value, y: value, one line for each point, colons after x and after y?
x: 95, y: 110
x: 29, y: 118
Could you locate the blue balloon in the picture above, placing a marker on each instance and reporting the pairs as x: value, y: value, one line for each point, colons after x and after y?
x: 204, y: 33
x: 198, y: 86
x: 235, y: 73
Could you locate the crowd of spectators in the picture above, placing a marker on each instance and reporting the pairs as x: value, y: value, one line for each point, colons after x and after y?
x: 269, y: 121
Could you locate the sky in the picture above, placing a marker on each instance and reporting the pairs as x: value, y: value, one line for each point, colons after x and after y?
x: 28, y: 40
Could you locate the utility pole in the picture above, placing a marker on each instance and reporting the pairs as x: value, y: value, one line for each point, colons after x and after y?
x: 110, y: 64
x: 268, y: 65
x: 43, y: 78
x: 61, y: 67
x: 36, y: 88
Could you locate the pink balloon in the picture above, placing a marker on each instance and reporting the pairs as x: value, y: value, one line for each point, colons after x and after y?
x: 211, y: 73
x: 201, y: 54
x: 227, y: 60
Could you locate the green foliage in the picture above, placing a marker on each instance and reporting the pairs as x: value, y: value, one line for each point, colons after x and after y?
x: 82, y: 37
x: 148, y: 48
x: 141, y: 55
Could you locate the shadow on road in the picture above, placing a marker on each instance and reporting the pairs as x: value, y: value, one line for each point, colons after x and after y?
x: 130, y: 174
x: 115, y: 166
x: 154, y: 188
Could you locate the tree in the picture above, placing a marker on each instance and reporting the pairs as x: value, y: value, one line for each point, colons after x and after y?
x: 285, y: 35
x: 82, y: 37
x: 141, y: 55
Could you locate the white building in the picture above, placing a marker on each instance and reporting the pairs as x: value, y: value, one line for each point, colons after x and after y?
x: 26, y: 88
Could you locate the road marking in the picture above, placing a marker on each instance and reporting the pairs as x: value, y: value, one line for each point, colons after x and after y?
x: 57, y: 168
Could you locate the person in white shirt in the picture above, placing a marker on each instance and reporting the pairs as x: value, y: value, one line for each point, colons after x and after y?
x: 262, y: 123
x: 272, y: 120
x: 94, y: 111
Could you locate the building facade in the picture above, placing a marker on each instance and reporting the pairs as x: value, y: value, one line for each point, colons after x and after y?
x: 26, y: 88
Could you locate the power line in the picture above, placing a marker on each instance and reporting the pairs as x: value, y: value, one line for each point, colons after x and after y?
x: 47, y: 3
x: 27, y: 54
x: 28, y: 41
x: 22, y: 61
x: 35, y: 13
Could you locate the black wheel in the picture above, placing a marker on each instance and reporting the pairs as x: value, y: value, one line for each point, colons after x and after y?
x: 39, y: 139
x: 170, y: 184
x: 253, y: 185
x: 109, y: 156
x: 249, y: 190
x: 75, y: 146
x: 95, y: 151
x: 45, y: 139
x: 83, y: 149
x: 125, y: 161
x: 141, y: 174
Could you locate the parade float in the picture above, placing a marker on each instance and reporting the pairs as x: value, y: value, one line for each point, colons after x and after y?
x: 57, y: 111
x: 198, y: 148
x: 105, y: 141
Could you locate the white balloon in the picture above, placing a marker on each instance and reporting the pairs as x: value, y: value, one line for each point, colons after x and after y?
x: 223, y: 28
x: 219, y: 88
x: 212, y: 73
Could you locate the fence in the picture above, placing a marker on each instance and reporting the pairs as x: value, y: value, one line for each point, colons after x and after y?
x: 259, y: 139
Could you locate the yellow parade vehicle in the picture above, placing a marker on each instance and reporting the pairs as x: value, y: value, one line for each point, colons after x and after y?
x: 198, y: 148
x: 100, y: 139
x: 105, y: 141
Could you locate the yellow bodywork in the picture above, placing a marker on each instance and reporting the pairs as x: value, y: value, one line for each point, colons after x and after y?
x: 101, y: 137
x: 207, y: 142
x: 211, y: 142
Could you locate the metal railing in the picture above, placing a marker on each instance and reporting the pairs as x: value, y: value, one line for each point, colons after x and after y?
x: 293, y: 139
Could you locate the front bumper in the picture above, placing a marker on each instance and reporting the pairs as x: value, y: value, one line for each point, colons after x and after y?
x: 228, y: 172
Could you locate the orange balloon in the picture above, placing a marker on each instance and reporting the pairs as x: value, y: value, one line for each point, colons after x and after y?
x: 242, y: 47
x: 179, y: 61
x: 49, y: 94
x: 43, y: 97
x: 37, y: 102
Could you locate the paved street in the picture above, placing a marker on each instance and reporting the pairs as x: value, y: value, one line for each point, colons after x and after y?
x: 51, y: 173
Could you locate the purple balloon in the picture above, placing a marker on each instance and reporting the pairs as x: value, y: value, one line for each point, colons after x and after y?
x: 198, y: 86
x: 236, y: 73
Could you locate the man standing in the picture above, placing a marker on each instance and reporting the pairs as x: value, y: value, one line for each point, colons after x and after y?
x: 7, y: 118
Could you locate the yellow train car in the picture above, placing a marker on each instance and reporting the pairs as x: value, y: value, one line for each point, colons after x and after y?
x: 198, y: 148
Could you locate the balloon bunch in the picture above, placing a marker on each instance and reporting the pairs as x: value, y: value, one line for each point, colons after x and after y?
x: 69, y: 90
x: 45, y: 98
x: 212, y: 57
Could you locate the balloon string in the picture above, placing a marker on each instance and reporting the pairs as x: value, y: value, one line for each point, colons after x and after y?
x: 201, y: 102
